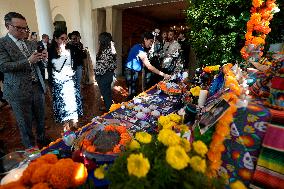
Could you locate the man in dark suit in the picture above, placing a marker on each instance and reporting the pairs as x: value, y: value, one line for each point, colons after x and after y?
x: 23, y: 84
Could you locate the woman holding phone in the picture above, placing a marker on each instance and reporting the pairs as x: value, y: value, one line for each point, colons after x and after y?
x: 67, y: 104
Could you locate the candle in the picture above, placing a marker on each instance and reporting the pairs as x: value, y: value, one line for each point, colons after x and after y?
x: 14, y: 175
x: 202, y: 97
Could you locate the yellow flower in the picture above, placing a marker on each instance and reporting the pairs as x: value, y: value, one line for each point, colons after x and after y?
x: 249, y: 129
x: 169, y: 125
x: 200, y: 148
x: 168, y: 137
x: 143, y: 137
x: 177, y: 157
x: 134, y: 145
x: 164, y: 120
x: 195, y: 91
x: 99, y: 173
x: 237, y: 185
x: 198, y: 164
x: 137, y: 165
x: 185, y: 144
x: 114, y: 107
x: 175, y: 118
x: 183, y: 128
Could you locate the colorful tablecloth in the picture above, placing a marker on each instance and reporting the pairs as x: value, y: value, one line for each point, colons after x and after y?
x: 244, y: 143
x: 269, y: 171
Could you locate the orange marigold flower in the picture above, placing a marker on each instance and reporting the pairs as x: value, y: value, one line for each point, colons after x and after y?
x: 28, y: 173
x: 109, y: 128
x: 217, y: 137
x: 61, y: 174
x: 116, y: 148
x: 121, y: 129
x: 215, y: 143
x: 40, y: 185
x: 214, y: 156
x: 223, y: 130
x: 48, y: 158
x: 258, y: 41
x: 41, y: 174
x: 257, y: 3
x: 125, y: 138
x: 85, y: 143
x: 91, y: 148
x: 215, y: 165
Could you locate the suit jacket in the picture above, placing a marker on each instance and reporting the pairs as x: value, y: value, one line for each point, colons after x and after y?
x: 16, y: 69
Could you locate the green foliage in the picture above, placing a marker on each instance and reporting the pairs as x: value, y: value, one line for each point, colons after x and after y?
x: 161, y: 175
x: 217, y: 29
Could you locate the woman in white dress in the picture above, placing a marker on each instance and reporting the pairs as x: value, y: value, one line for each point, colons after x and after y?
x: 67, y: 104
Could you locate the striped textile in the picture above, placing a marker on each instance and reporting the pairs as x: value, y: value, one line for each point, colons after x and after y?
x: 269, y: 171
x: 277, y: 116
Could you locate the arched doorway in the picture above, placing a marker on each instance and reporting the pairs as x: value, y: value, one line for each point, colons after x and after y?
x: 59, y: 23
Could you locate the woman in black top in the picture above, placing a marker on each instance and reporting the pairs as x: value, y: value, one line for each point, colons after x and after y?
x: 105, y: 66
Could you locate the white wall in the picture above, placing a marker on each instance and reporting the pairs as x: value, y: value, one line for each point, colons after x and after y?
x: 106, y: 3
x: 69, y: 9
x: 26, y: 8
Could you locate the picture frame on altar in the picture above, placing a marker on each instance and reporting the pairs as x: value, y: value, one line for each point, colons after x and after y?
x: 209, y: 118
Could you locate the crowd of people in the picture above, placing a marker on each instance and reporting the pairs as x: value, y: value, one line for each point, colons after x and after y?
x: 25, y: 63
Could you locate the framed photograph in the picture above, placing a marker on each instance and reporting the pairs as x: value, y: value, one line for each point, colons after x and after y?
x: 209, y: 118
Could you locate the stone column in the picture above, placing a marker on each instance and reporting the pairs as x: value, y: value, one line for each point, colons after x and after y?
x: 44, y: 19
x: 114, y: 26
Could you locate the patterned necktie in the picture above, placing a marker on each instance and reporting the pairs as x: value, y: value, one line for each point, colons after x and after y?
x: 26, y: 52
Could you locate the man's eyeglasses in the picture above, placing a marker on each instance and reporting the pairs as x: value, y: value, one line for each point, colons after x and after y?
x: 21, y: 29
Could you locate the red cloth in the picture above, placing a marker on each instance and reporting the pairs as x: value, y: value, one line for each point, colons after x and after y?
x: 277, y: 83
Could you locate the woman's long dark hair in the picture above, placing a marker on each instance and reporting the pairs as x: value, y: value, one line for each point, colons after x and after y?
x: 105, y: 39
x: 53, y: 50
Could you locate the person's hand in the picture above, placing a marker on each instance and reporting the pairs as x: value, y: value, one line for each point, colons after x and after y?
x: 35, y: 57
x: 167, y: 77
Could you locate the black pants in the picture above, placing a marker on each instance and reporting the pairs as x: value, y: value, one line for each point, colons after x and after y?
x: 104, y: 83
x: 131, y: 77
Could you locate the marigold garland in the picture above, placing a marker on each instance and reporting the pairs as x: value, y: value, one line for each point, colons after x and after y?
x: 216, y: 146
x: 125, y: 138
x: 258, y: 25
x: 210, y: 69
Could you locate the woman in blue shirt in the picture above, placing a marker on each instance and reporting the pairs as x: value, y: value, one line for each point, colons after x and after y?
x: 137, y: 57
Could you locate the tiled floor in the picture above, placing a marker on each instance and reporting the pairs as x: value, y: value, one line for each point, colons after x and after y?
x: 91, y: 102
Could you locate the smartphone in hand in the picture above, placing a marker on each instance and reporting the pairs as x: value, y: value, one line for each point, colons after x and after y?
x: 40, y: 48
